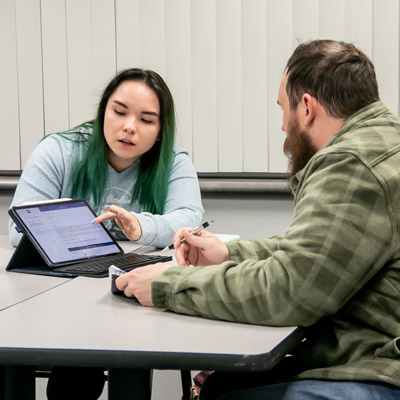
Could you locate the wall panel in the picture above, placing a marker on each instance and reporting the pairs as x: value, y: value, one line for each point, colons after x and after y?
x: 80, y: 68
x: 30, y: 86
x: 305, y: 20
x: 152, y: 35
x: 9, y: 113
x: 332, y: 19
x: 127, y: 30
x: 280, y: 46
x: 222, y: 59
x: 229, y: 85
x: 254, y: 86
x: 55, y: 71
x: 386, y: 36
x: 359, y: 24
x: 204, y: 85
x: 103, y: 45
x: 179, y: 67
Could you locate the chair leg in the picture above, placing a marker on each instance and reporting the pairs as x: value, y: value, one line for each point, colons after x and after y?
x: 140, y: 380
x: 186, y: 380
x: 19, y: 383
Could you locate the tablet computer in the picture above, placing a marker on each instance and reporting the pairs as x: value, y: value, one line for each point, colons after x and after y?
x: 63, y: 232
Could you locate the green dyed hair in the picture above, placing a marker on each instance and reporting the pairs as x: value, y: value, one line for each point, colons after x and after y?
x: 90, y: 172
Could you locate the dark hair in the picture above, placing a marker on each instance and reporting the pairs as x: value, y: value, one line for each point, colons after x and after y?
x: 340, y: 76
x: 150, y: 189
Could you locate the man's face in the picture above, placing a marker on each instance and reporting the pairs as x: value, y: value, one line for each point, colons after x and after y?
x: 298, y: 146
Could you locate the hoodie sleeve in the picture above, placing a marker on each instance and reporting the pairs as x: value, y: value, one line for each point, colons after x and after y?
x: 182, y: 208
x: 42, y: 177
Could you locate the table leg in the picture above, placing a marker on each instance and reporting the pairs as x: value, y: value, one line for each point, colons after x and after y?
x: 19, y: 383
x: 129, y: 384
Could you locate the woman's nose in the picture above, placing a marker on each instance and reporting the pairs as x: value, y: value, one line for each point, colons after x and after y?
x: 129, y: 126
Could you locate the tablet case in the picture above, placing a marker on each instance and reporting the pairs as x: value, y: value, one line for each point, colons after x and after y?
x: 27, y: 259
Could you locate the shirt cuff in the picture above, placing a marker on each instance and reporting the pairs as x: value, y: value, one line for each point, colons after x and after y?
x: 162, y: 287
x: 234, y: 251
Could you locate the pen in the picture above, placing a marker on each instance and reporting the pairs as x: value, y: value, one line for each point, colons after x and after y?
x: 204, y: 225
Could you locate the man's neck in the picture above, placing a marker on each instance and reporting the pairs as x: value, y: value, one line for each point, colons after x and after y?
x: 323, y: 129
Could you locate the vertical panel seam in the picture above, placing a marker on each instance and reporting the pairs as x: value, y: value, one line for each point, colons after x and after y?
x: 42, y: 64
x: 18, y: 85
x: 67, y: 66
x: 115, y: 36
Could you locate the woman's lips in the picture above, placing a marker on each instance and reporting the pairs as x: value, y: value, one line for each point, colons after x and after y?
x: 126, y: 143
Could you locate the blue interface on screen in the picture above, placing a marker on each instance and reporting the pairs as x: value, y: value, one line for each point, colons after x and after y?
x: 65, y: 231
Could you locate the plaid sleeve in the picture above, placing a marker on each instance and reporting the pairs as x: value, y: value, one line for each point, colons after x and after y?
x: 339, y: 238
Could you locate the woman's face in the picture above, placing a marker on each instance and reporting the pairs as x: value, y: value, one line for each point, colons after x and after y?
x: 131, y: 123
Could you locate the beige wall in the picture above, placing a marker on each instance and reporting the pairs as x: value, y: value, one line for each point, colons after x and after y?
x: 222, y: 59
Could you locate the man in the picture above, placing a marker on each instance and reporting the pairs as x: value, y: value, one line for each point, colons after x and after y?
x: 337, y: 267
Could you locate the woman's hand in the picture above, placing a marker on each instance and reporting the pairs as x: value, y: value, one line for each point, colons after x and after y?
x: 124, y: 219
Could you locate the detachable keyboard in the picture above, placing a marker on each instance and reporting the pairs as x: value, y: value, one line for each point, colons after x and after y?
x: 100, y: 266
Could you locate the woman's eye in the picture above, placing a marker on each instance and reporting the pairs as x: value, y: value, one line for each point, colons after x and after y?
x: 119, y: 112
x: 146, y: 121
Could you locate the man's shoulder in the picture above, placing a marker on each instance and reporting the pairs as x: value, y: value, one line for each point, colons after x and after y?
x: 369, y: 133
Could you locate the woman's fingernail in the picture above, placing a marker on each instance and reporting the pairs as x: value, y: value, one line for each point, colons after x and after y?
x: 121, y: 213
x: 131, y: 225
x: 106, y: 206
x: 93, y: 221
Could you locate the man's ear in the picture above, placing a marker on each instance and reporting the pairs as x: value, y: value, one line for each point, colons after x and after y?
x: 309, y: 105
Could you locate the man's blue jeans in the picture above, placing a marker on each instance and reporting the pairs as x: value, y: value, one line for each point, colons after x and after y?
x: 317, y: 390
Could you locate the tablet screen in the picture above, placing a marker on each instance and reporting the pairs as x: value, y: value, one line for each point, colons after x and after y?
x: 64, y: 231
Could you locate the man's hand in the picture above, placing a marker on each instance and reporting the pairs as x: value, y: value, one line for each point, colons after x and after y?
x: 124, y: 219
x: 137, y: 283
x: 203, y: 248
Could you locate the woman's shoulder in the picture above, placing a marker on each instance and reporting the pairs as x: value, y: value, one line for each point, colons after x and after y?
x: 181, y: 161
x: 181, y: 152
x: 180, y: 156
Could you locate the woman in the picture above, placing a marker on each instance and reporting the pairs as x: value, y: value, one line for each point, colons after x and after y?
x: 124, y: 161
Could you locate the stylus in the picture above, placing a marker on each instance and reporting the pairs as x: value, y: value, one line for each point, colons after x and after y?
x: 204, y: 225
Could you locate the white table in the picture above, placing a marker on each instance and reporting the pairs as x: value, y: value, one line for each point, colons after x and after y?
x: 14, y: 287
x: 80, y: 323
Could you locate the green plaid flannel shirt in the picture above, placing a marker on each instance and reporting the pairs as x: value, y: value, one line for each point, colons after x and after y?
x: 337, y: 267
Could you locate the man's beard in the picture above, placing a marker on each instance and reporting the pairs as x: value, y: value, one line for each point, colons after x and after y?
x: 297, y: 147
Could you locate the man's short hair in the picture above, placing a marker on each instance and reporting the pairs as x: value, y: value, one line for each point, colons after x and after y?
x: 337, y: 74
